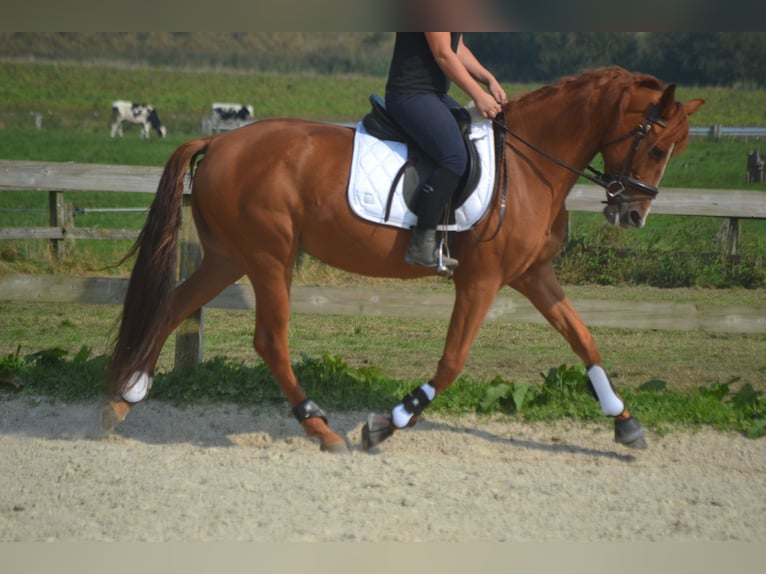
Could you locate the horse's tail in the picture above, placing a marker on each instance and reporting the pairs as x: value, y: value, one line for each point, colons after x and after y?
x: 150, y: 290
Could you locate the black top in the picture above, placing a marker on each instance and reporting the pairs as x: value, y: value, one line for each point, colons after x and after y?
x: 413, y: 68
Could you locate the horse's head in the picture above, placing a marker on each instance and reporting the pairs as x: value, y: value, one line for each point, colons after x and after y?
x: 635, y: 161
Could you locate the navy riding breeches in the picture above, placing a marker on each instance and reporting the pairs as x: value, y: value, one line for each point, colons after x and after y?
x: 428, y: 121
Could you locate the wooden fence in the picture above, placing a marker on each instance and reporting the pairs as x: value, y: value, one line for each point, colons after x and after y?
x: 57, y: 178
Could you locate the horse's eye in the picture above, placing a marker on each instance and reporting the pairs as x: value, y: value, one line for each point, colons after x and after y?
x: 656, y: 154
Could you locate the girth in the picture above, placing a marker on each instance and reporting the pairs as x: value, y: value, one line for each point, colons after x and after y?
x: 418, y: 166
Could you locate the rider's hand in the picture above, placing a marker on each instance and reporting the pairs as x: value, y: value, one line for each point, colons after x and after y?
x: 488, y: 105
x: 498, y: 92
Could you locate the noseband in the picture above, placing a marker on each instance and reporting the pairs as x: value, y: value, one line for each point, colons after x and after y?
x: 614, y: 184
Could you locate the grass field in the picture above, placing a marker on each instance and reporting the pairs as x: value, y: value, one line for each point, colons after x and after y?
x: 669, y: 378
x: 79, y: 97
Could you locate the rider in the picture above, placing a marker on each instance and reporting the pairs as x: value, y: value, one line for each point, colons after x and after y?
x: 422, y: 67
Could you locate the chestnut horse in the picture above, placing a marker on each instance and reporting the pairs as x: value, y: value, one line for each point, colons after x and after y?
x: 266, y: 191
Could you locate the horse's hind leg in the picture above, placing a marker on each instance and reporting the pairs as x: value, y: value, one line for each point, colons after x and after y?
x: 272, y: 310
x: 542, y: 288
x: 210, y: 278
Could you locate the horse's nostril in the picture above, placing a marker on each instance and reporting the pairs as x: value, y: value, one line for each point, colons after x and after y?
x: 612, y: 215
x: 636, y: 218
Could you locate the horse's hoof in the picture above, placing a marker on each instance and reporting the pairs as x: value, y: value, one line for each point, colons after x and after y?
x: 335, y: 448
x: 377, y: 429
x: 638, y: 444
x: 113, y: 413
x: 630, y: 433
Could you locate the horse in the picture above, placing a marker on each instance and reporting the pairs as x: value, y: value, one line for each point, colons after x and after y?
x: 267, y: 191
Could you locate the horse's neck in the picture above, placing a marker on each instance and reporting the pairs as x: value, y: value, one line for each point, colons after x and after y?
x: 567, y: 128
x: 571, y: 128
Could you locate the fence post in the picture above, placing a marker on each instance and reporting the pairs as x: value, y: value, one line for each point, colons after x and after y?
x: 728, y: 236
x: 60, y: 218
x: 189, y: 334
x: 732, y: 237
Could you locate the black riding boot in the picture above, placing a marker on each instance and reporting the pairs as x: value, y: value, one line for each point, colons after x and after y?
x: 431, y: 201
x: 424, y: 250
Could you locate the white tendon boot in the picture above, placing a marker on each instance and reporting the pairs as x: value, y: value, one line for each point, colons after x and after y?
x: 611, y: 405
x: 138, y: 387
x: 627, y: 431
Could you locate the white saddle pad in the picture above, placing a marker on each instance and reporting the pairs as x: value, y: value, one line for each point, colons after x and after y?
x: 376, y: 162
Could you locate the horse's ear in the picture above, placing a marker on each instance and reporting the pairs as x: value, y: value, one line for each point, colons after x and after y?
x: 668, y: 101
x: 693, y: 105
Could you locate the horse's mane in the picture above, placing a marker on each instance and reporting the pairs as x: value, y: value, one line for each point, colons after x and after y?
x: 612, y: 77
x: 611, y: 82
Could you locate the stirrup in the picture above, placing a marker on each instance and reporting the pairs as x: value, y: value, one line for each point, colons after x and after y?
x: 424, y: 251
x: 445, y: 265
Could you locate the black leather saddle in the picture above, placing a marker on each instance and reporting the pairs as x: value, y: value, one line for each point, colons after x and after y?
x: 418, y: 167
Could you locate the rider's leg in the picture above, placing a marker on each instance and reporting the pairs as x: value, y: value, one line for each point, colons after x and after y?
x: 430, y: 205
x: 427, y: 119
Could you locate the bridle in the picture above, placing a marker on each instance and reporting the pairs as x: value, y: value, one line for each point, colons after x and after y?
x: 614, y: 184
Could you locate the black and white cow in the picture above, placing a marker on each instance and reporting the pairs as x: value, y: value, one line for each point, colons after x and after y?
x: 141, y: 114
x: 226, y: 115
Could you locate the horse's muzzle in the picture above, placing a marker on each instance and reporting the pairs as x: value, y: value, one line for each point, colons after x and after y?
x: 625, y: 215
x: 627, y: 201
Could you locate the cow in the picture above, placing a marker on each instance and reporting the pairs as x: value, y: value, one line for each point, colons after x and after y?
x: 142, y: 114
x: 229, y: 115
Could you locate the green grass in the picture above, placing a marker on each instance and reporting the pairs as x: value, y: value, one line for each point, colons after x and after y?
x: 726, y: 106
x: 81, y: 146
x: 348, y: 364
x: 76, y: 97
x: 685, y: 359
x: 329, y: 380
x: 714, y: 164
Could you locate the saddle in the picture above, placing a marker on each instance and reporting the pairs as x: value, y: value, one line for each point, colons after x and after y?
x: 415, y: 172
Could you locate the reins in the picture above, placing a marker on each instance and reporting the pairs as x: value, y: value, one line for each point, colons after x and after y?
x: 613, y: 185
x: 548, y: 156
x: 499, y: 166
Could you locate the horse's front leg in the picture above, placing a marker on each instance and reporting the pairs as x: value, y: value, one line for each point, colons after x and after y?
x: 471, y: 306
x: 541, y: 286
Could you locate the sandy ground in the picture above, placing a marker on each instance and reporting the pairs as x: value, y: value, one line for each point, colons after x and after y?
x: 225, y: 473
